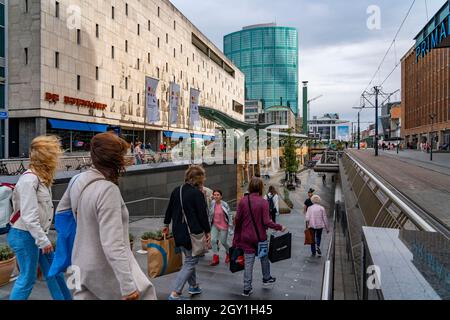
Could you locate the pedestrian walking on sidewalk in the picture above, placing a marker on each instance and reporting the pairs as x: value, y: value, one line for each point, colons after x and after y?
x: 33, y: 207
x: 139, y: 153
x: 191, y: 200
x: 316, y: 221
x: 308, y: 202
x: 101, y: 251
x: 251, y: 224
x: 220, y: 217
x: 274, y: 206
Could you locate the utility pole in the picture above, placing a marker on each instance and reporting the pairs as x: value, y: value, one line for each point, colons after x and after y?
x: 359, y: 130
x: 432, y: 116
x: 377, y: 91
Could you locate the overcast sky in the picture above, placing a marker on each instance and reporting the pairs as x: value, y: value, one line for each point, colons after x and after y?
x: 338, y: 54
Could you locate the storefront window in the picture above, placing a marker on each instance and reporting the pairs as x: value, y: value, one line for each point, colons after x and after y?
x: 74, y: 141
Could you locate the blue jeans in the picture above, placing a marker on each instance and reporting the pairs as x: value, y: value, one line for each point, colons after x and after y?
x: 318, y: 237
x: 219, y: 235
x: 248, y: 272
x: 187, y: 272
x: 28, y: 257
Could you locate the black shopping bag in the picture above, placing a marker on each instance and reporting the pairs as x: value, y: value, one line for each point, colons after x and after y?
x: 237, y: 261
x: 280, y: 247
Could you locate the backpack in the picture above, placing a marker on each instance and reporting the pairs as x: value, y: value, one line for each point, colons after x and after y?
x: 7, y: 214
x: 272, y: 208
x: 6, y: 206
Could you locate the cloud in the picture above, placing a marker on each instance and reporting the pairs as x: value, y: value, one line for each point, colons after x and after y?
x: 338, y: 54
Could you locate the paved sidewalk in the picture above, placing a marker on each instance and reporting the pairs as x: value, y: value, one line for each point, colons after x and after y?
x: 299, y: 278
x: 440, y: 163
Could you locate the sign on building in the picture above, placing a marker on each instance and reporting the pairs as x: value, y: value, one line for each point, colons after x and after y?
x: 152, y: 111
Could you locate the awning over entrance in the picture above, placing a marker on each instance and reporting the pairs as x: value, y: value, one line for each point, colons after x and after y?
x: 227, y: 121
x: 77, y: 126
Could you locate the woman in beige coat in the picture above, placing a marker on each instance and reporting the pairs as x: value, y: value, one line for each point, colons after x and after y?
x: 107, y: 267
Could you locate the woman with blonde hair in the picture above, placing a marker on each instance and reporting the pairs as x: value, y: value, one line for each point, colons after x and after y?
x: 316, y: 221
x: 101, y: 251
x: 190, y: 199
x: 32, y: 218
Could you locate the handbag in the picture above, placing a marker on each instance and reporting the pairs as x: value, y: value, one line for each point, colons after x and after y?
x: 162, y: 257
x: 66, y: 228
x: 263, y: 246
x: 309, y: 237
x: 237, y: 259
x: 280, y: 247
x: 199, y: 243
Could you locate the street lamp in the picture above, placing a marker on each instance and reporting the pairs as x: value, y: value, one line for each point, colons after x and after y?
x: 432, y: 117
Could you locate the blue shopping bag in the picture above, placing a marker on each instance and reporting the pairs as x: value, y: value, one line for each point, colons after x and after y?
x: 66, y: 227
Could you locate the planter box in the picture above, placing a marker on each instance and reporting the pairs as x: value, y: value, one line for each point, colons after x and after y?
x: 144, y: 244
x: 6, y: 269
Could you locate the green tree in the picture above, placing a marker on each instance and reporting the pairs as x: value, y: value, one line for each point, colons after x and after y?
x: 290, y: 154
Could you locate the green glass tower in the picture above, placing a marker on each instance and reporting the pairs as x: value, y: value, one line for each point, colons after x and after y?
x: 268, y: 56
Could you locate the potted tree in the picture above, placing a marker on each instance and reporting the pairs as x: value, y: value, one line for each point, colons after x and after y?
x: 131, y: 241
x: 7, y: 264
x: 152, y: 235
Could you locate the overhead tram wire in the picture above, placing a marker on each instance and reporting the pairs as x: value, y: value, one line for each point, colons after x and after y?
x: 390, y: 47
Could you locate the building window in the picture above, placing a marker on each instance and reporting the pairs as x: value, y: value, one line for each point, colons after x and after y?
x: 78, y: 82
x: 57, y: 9
x: 148, y: 57
x: 138, y: 99
x: 158, y: 12
x: 112, y: 12
x: 138, y: 63
x: 96, y: 73
x: 193, y: 57
x: 78, y: 36
x: 181, y: 48
x: 26, y: 6
x: 112, y: 92
x: 167, y: 38
x: 187, y: 61
x: 126, y: 83
x: 181, y: 75
x: 149, y: 25
x: 126, y: 45
x: 57, y: 60
x: 97, y: 30
x: 126, y: 9
x: 167, y: 67
x: 174, y: 25
x: 26, y: 56
x: 112, y: 52
x: 139, y: 29
x: 157, y: 72
x: 158, y: 42
x: 174, y: 52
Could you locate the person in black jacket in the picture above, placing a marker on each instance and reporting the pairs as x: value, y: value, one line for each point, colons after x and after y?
x: 195, y: 208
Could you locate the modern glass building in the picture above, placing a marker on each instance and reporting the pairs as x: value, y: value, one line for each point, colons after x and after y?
x: 268, y: 56
x: 3, y: 77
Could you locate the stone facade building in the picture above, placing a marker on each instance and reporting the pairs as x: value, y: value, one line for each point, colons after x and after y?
x: 79, y: 67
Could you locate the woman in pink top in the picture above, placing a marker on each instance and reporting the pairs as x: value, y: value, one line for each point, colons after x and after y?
x: 220, y: 217
x: 316, y: 220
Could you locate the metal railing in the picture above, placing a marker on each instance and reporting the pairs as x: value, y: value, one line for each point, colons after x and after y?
x: 13, y: 167
x: 157, y: 207
x: 328, y: 270
x: 380, y: 206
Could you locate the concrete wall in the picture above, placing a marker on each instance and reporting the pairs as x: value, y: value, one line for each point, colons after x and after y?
x: 159, y: 181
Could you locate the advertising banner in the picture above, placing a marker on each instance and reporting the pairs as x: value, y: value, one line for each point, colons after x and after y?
x: 152, y: 110
x: 174, y: 102
x: 194, y: 115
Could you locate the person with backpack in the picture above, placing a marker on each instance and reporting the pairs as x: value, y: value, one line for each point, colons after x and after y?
x: 101, y: 251
x: 250, y: 233
x: 273, y: 199
x: 187, y: 206
x: 220, y: 217
x: 32, y: 218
